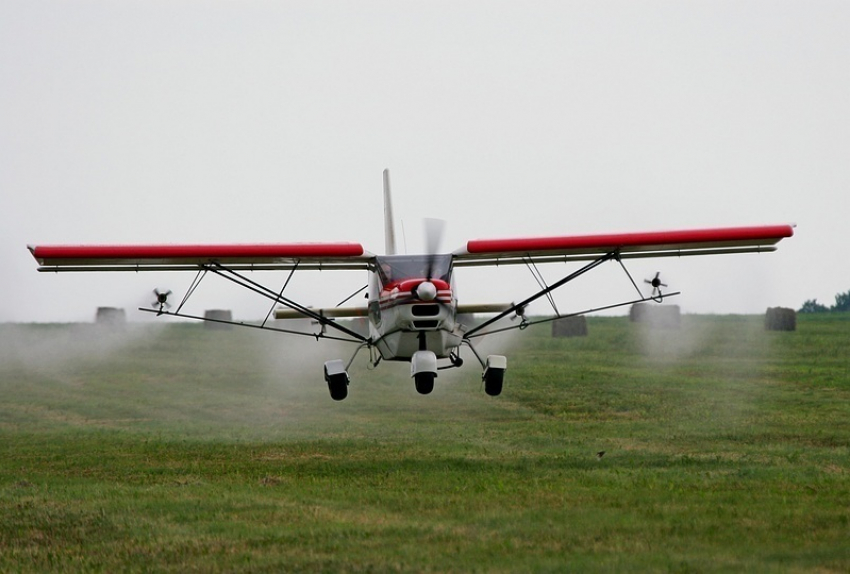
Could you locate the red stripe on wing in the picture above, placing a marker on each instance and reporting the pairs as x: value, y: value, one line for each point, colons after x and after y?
x: 691, y: 238
x: 196, y: 252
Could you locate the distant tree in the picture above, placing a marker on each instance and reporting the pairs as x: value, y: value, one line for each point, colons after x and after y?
x: 812, y: 306
x: 842, y: 302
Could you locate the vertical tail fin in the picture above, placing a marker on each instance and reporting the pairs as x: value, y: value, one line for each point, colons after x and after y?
x: 389, y: 222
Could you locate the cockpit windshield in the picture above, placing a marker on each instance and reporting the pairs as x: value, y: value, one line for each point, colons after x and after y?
x: 393, y: 268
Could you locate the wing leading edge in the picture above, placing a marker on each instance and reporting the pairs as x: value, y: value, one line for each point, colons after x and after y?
x: 354, y: 256
x: 628, y: 245
x: 262, y: 256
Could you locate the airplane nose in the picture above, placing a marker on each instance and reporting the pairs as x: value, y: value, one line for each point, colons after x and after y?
x: 426, y: 291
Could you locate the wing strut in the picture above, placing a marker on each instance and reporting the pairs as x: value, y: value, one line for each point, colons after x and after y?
x: 243, y: 281
x: 317, y: 336
x: 629, y: 275
x: 576, y: 314
x: 195, y: 283
x: 656, y: 296
x: 592, y: 265
x: 538, y: 276
x: 282, y: 289
x: 350, y: 297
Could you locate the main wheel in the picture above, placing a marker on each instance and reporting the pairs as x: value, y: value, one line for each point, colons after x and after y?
x: 424, y: 382
x: 338, y: 386
x: 493, y: 380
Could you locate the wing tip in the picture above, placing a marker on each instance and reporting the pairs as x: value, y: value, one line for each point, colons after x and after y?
x: 32, y: 249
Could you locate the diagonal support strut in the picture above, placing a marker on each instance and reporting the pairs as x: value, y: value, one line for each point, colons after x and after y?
x: 264, y: 291
x: 543, y: 292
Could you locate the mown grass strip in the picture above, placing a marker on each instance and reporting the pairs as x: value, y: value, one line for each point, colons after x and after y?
x: 725, y: 448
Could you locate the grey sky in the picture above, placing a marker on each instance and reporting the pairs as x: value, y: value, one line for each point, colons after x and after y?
x: 224, y: 121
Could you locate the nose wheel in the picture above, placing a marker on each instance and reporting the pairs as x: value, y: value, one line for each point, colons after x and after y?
x: 423, y: 369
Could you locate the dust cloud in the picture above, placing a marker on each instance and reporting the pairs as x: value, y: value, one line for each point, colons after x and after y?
x: 188, y: 381
x: 727, y: 352
x: 175, y: 377
x: 51, y: 348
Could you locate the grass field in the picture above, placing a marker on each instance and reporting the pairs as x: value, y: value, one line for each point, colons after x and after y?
x: 175, y: 448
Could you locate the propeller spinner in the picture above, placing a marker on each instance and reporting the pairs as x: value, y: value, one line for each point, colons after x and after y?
x: 426, y: 291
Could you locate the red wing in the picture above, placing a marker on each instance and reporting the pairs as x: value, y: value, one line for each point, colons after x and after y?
x: 176, y: 257
x: 646, y: 244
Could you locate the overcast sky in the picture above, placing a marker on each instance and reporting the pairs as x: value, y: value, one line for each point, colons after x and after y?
x: 248, y: 121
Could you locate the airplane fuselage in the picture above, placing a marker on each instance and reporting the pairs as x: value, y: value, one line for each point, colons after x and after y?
x: 412, y: 306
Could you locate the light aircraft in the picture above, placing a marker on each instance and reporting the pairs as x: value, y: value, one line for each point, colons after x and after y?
x: 413, y: 312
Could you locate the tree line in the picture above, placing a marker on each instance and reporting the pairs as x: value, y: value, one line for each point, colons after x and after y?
x: 842, y: 303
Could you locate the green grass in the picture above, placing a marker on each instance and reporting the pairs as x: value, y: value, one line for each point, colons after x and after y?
x: 727, y: 448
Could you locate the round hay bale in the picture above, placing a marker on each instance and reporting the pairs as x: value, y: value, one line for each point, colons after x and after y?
x: 638, y: 312
x: 780, y: 319
x: 570, y: 327
x: 657, y: 316
x: 110, y: 316
x: 218, y: 315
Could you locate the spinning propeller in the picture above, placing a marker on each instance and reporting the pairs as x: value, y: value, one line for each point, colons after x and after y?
x: 519, y: 313
x: 434, y: 229
x: 656, y: 285
x: 161, y: 300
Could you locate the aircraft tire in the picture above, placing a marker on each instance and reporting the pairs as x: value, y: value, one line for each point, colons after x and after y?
x: 493, y: 381
x: 424, y: 382
x: 338, y: 386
